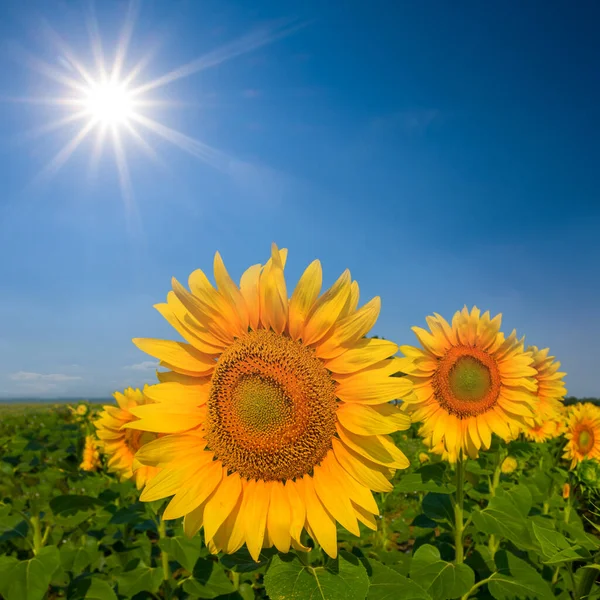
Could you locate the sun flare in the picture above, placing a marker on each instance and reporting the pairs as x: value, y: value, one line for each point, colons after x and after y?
x: 116, y: 102
x: 109, y: 103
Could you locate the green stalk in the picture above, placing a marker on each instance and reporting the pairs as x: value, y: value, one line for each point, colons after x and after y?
x: 459, y: 526
x: 162, y: 534
x: 37, y: 534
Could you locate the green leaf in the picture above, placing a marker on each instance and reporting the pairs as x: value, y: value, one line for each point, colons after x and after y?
x: 70, y: 504
x: 242, y: 562
x: 520, y: 496
x: 29, y: 579
x: 76, y: 557
x: 516, y: 580
x: 503, y: 518
x: 140, y: 579
x: 441, y: 579
x: 387, y: 584
x: 438, y: 507
x: 209, y: 580
x: 91, y: 588
x: 184, y: 550
x: 556, y: 548
x: 128, y: 514
x: 428, y: 478
x: 344, y: 578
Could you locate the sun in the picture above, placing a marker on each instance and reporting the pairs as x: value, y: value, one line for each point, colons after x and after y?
x: 116, y: 100
x: 109, y: 103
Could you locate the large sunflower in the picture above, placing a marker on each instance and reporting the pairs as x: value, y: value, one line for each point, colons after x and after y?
x: 583, y: 433
x: 551, y: 387
x: 277, y: 408
x: 469, y: 382
x: 120, y: 445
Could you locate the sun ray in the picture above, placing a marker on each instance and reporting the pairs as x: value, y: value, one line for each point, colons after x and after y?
x: 63, y: 155
x: 124, y: 40
x: 53, y: 125
x: 212, y: 156
x: 243, y: 45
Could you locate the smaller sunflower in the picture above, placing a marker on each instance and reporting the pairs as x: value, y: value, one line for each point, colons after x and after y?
x: 509, y: 465
x: 122, y: 444
x: 566, y: 492
x: 583, y: 434
x: 469, y: 381
x: 550, y: 385
x: 91, y: 455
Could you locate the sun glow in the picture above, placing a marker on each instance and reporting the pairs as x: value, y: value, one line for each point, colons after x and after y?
x: 109, y: 103
x: 114, y: 103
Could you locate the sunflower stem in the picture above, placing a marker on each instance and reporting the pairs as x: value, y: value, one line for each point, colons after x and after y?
x: 162, y: 534
x: 37, y: 534
x: 459, y: 526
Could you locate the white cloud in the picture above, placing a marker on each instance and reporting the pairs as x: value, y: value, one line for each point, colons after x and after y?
x: 27, y: 376
x: 147, y: 365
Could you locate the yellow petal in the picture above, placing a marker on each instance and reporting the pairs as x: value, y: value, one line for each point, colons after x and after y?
x: 297, y: 507
x: 172, y: 448
x: 249, y: 290
x: 193, y: 521
x: 365, y: 517
x: 379, y: 449
x: 273, y: 294
x: 320, y: 520
x: 330, y: 492
x: 230, y: 536
x: 279, y: 517
x: 364, y: 353
x: 376, y: 391
x: 303, y: 298
x: 195, y: 335
x: 177, y: 354
x: 327, y: 309
x: 350, y: 329
x: 356, y: 466
x: 230, y: 291
x: 159, y: 418
x: 222, y: 502
x: 369, y: 420
x: 256, y: 510
x: 358, y: 493
x: 352, y: 302
x: 200, y: 486
x: 193, y: 395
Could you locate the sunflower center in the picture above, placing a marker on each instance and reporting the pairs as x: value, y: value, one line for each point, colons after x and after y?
x: 271, y: 409
x: 467, y: 381
x: 585, y: 440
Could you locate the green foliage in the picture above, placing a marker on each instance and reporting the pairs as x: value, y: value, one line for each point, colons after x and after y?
x: 86, y: 536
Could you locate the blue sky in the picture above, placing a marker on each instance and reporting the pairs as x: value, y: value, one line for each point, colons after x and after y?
x: 445, y: 152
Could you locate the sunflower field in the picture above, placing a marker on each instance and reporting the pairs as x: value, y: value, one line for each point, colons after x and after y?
x: 283, y: 453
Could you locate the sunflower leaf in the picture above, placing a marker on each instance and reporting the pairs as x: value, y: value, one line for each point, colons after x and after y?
x: 429, y: 478
x: 443, y: 580
x: 388, y: 584
x: 209, y: 580
x: 516, y: 580
x: 344, y: 578
x: 28, y: 579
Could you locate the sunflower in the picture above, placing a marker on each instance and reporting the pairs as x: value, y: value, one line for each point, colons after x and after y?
x: 469, y: 382
x: 91, y: 455
x: 122, y: 444
x: 277, y: 409
x: 509, y: 465
x: 551, y: 387
x: 583, y: 433
x: 542, y: 432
